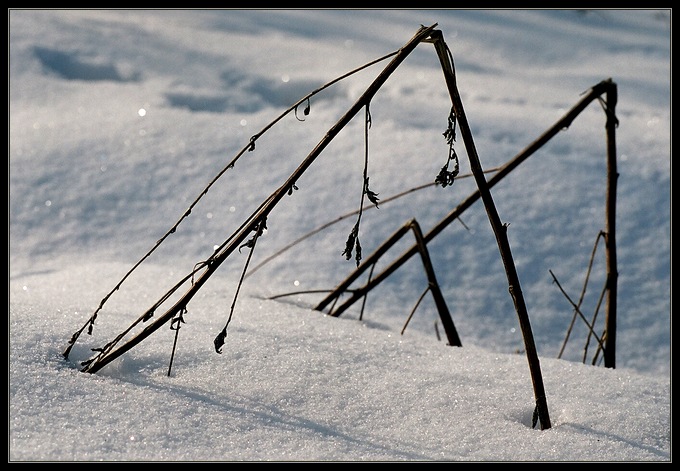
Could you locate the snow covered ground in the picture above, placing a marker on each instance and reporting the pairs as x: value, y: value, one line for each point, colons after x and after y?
x: 118, y: 119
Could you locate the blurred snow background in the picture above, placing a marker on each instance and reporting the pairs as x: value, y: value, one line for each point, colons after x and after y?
x: 119, y: 119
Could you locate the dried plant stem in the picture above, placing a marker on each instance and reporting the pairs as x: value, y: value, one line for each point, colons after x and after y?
x: 203, y: 270
x: 219, y: 340
x: 363, y: 303
x: 410, y: 316
x: 175, y: 324
x: 89, y: 324
x: 251, y: 223
x: 560, y: 125
x: 499, y: 229
x: 295, y: 293
x: 174, y: 348
x: 577, y: 310
x: 583, y: 292
x: 354, y: 213
x: 361, y: 292
x: 612, y: 270
x: 601, y: 344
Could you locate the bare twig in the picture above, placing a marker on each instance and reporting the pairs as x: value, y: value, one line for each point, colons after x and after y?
x: 259, y: 230
x: 576, y: 309
x: 363, y: 303
x: 583, y: 292
x: 354, y: 213
x: 412, y: 225
x: 600, y: 346
x: 612, y: 269
x: 560, y: 125
x: 234, y: 241
x: 420, y: 298
x: 499, y: 229
x: 175, y: 325
x: 247, y: 148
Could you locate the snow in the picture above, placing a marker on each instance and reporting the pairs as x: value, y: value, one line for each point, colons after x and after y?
x: 119, y: 119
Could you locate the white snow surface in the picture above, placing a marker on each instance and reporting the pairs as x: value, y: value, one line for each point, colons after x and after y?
x: 119, y: 120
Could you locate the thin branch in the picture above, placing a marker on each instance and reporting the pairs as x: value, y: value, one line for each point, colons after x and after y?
x: 444, y: 314
x: 227, y: 248
x: 583, y: 292
x: 262, y: 226
x: 247, y: 148
x: 499, y: 229
x: 295, y: 293
x: 414, y: 309
x: 595, y: 314
x: 576, y: 309
x: 175, y: 325
x: 363, y: 303
x: 507, y: 168
x: 354, y: 213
